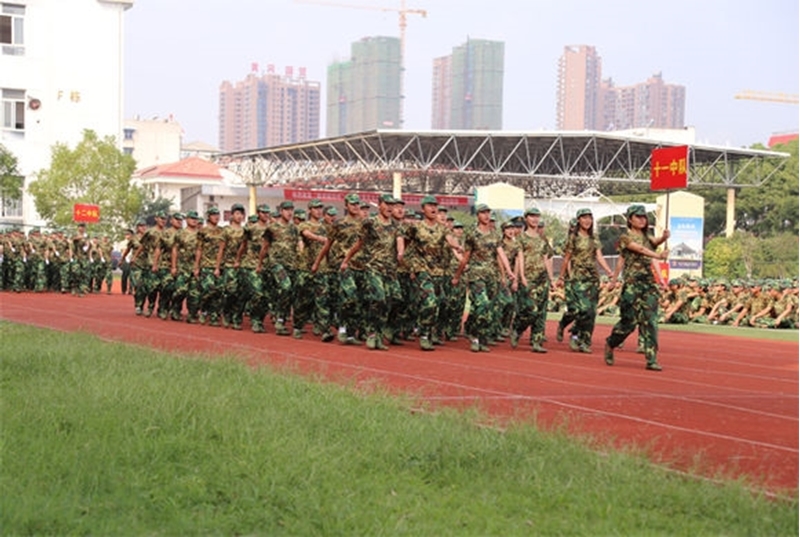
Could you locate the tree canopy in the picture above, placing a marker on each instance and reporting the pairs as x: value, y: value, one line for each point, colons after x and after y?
x: 10, y: 178
x: 94, y: 172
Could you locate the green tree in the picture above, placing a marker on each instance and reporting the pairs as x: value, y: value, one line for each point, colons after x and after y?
x: 722, y: 258
x: 10, y: 178
x: 153, y: 205
x: 95, y: 172
x: 772, y: 208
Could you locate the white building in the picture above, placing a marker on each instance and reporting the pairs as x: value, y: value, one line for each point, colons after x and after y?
x: 152, y: 141
x: 61, y: 72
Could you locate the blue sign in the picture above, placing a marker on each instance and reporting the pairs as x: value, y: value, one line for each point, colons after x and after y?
x: 686, y: 242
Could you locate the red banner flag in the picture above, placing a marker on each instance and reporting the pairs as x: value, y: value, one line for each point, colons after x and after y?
x: 83, y: 212
x: 669, y: 168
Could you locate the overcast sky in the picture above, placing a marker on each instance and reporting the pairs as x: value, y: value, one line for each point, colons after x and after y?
x: 179, y: 51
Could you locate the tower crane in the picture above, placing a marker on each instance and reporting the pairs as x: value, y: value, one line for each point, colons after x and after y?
x: 769, y: 96
x: 402, y: 12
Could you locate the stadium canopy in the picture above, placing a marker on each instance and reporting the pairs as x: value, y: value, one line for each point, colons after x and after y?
x: 545, y: 164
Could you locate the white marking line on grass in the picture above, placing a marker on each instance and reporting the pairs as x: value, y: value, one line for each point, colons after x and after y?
x: 580, y: 408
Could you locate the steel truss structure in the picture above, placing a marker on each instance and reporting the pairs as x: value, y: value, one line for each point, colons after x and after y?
x: 544, y: 164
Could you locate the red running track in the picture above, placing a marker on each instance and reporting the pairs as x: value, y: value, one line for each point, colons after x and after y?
x: 722, y: 407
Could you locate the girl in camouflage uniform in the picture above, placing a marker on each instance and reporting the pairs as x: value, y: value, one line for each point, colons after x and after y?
x: 581, y: 251
x: 639, y: 299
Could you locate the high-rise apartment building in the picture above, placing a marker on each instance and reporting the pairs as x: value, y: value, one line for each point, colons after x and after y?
x: 587, y: 102
x: 647, y: 104
x: 268, y: 109
x: 363, y: 93
x: 579, y: 70
x: 468, y: 87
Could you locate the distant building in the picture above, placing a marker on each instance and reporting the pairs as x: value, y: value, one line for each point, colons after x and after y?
x: 648, y: 104
x: 586, y: 101
x: 54, y: 84
x: 198, y: 149
x: 363, y: 93
x: 266, y: 110
x: 577, y: 99
x: 152, y: 141
x: 468, y: 87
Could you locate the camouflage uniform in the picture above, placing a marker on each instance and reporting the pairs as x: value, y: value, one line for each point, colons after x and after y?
x: 381, y: 290
x: 208, y: 239
x: 584, y: 284
x: 506, y: 301
x: 79, y: 254
x: 482, y: 280
x: 455, y: 297
x: 532, y: 299
x: 138, y: 270
x: 103, y: 266
x: 405, y: 323
x: 233, y: 295
x: 151, y: 277
x: 315, y: 285
x: 343, y: 235
x: 36, y: 252
x: 186, y: 285
x: 252, y: 281
x: 638, y: 303
x: 282, y: 238
x: 427, y: 242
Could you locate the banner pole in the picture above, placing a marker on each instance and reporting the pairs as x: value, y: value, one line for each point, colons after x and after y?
x: 666, y: 219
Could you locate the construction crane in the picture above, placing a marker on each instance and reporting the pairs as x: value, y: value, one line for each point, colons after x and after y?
x: 769, y: 96
x: 402, y: 12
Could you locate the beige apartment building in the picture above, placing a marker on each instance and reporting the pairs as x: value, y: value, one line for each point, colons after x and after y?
x: 268, y: 109
x: 586, y: 101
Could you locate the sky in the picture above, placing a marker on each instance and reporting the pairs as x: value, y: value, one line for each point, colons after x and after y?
x: 178, y: 52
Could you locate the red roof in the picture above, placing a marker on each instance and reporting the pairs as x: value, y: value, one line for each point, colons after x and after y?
x: 195, y: 167
x: 784, y: 138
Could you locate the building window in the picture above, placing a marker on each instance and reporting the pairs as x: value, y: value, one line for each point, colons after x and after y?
x: 127, y: 150
x: 12, y: 23
x: 13, y: 109
x: 128, y: 133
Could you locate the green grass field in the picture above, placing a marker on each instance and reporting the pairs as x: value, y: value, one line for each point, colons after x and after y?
x: 720, y: 330
x: 110, y: 439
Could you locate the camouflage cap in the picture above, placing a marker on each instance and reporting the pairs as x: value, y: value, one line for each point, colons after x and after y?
x: 177, y: 216
x: 300, y: 213
x: 141, y: 222
x: 252, y: 218
x: 457, y: 224
x: 442, y: 209
x: 161, y: 214
x: 192, y: 214
x: 314, y: 204
x: 637, y: 210
x: 533, y: 211
x: 481, y: 208
x: 263, y: 208
x: 237, y: 207
x: 429, y: 200
x: 286, y: 205
x: 331, y: 211
x: 212, y: 210
x: 583, y: 212
x: 352, y: 198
